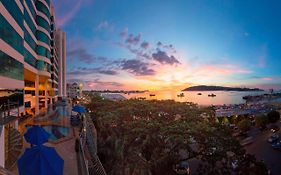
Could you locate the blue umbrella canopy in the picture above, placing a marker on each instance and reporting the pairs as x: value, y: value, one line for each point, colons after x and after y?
x: 79, y: 109
x: 36, y: 135
x: 40, y: 160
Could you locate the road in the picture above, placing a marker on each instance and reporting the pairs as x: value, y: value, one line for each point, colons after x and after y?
x: 263, y: 151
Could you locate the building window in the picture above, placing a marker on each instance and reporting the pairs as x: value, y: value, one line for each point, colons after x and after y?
x: 43, y: 66
x: 41, y: 36
x: 31, y: 8
x: 42, y: 8
x: 28, y: 83
x: 40, y: 50
x: 30, y: 59
x: 10, y: 36
x: 29, y: 39
x: 29, y: 92
x: 29, y: 21
x: 43, y: 23
x: 14, y: 10
x: 9, y: 67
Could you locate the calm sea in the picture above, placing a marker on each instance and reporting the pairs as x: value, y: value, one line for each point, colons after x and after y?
x: 222, y: 97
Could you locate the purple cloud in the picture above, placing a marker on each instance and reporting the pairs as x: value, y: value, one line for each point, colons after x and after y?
x: 163, y: 58
x: 82, y: 55
x: 86, y: 71
x: 137, y: 67
x: 145, y: 45
x: 124, y: 32
x: 159, y: 44
x: 133, y: 40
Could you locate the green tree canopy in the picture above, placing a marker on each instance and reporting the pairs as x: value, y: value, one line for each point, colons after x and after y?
x: 149, y: 137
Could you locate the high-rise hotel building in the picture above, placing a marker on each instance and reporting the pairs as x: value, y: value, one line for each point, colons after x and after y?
x: 32, y: 59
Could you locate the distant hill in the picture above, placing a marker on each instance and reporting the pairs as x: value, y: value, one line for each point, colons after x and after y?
x: 219, y: 88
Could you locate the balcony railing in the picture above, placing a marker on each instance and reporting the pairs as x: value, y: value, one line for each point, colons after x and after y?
x: 88, y: 145
x: 8, y: 113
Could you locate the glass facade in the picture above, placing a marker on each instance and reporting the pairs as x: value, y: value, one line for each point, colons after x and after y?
x: 40, y: 50
x: 43, y: 23
x: 43, y: 66
x: 29, y: 39
x: 31, y: 8
x: 14, y: 10
x: 10, y: 36
x: 41, y: 36
x: 9, y: 67
x: 42, y: 8
x: 30, y: 59
x: 29, y: 21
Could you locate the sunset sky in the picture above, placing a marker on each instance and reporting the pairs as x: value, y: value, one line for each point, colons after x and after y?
x: 171, y: 44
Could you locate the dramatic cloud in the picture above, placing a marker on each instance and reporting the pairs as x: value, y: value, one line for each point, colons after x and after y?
x: 82, y: 55
x: 133, y: 40
x: 163, y: 58
x: 137, y: 67
x: 159, y: 44
x: 86, y: 71
x: 145, y: 45
x: 96, y: 83
x: 124, y: 32
x: 168, y: 47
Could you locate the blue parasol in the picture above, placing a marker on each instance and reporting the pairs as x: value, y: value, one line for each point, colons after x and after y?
x: 79, y: 109
x: 36, y: 135
x: 40, y: 160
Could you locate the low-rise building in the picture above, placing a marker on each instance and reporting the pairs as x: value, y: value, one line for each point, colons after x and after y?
x: 74, y: 90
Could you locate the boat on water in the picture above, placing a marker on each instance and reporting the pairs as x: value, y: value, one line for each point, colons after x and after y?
x: 181, y: 95
x: 212, y: 95
x: 199, y: 94
x: 152, y: 95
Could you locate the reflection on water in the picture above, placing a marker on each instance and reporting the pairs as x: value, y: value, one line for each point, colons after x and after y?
x: 222, y: 97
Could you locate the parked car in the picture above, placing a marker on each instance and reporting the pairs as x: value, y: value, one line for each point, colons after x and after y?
x: 274, y: 138
x: 276, y: 145
x: 182, y: 168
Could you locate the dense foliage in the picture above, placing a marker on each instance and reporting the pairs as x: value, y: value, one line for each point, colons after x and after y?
x: 149, y: 137
x: 273, y: 116
x: 261, y: 121
x: 244, y: 125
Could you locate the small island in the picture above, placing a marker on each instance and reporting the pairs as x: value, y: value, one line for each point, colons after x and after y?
x: 219, y: 88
